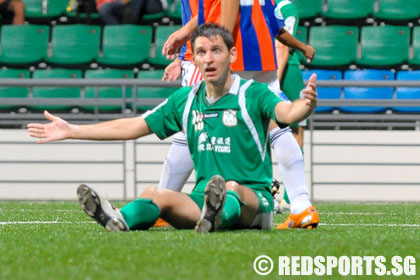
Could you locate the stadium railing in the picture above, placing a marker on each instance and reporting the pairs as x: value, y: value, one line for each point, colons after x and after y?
x: 329, y: 121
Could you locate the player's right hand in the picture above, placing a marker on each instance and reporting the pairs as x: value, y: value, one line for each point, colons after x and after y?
x: 309, y: 53
x: 172, y: 71
x: 57, y: 129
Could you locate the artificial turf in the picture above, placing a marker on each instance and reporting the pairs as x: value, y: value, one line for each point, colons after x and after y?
x: 57, y: 240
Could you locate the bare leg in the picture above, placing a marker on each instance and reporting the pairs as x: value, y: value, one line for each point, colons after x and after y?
x: 176, y: 208
x: 247, y: 195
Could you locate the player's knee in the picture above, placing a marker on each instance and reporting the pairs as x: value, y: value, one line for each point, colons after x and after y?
x: 151, y: 192
x: 232, y: 186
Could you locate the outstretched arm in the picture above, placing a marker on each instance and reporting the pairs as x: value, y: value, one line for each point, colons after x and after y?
x: 287, y: 39
x: 58, y: 129
x: 296, y: 111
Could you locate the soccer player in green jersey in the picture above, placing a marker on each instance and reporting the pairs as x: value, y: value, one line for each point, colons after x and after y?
x: 226, y: 122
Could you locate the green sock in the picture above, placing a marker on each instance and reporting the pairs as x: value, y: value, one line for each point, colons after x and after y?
x: 140, y: 214
x: 231, y: 210
x: 286, y: 197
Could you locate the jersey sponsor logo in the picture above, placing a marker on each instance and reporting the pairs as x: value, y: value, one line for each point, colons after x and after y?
x: 211, y: 115
x: 197, y: 120
x: 216, y: 144
x: 202, y: 139
x: 229, y: 118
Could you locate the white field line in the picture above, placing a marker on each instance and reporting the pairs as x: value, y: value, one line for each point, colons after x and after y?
x: 42, y: 222
x: 369, y: 225
x: 321, y: 224
x: 75, y: 210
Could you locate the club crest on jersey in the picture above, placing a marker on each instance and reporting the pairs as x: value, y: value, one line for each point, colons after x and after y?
x: 197, y: 120
x: 229, y: 118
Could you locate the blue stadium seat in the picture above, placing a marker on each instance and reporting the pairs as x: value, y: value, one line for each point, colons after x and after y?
x: 369, y: 92
x: 408, y: 92
x: 325, y: 92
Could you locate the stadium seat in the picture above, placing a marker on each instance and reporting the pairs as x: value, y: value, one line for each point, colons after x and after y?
x: 335, y: 45
x: 309, y: 8
x: 415, y: 60
x: 107, y: 92
x: 408, y: 92
x: 353, y: 10
x: 325, y: 92
x: 369, y: 92
x: 13, y: 92
x: 174, y: 10
x: 55, y: 92
x: 397, y: 10
x: 162, y: 33
x: 302, y: 35
x: 74, y: 44
x: 45, y: 9
x: 384, y: 46
x: 152, y: 92
x: 126, y: 45
x: 23, y: 44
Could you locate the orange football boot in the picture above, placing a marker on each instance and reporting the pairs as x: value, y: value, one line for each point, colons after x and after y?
x: 161, y: 223
x: 308, y: 218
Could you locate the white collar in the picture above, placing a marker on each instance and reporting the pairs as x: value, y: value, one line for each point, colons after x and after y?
x: 234, y: 89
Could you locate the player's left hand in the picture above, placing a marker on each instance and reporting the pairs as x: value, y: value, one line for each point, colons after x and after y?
x: 309, y: 93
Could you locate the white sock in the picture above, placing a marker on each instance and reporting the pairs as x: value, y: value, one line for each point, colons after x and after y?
x: 178, y: 165
x: 291, y: 168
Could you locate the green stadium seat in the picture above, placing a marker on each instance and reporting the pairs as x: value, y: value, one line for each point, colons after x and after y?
x: 415, y: 60
x: 13, y: 92
x: 74, y: 44
x: 335, y: 45
x: 23, y: 44
x: 302, y: 35
x: 353, y: 10
x: 397, y: 10
x: 309, y: 8
x: 162, y: 33
x: 46, y: 9
x: 125, y: 45
x: 107, y: 92
x: 174, y: 10
x: 384, y: 46
x: 55, y: 92
x: 152, y: 92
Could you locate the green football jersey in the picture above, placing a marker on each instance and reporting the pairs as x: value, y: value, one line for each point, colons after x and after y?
x: 228, y: 137
x: 288, y: 11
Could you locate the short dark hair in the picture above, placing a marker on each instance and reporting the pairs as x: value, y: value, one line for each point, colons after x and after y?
x: 210, y: 30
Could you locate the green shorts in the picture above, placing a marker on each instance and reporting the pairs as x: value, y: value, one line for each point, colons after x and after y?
x: 291, y: 84
x: 264, y: 218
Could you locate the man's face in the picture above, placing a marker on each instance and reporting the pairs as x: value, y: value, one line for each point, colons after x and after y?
x: 213, y: 58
